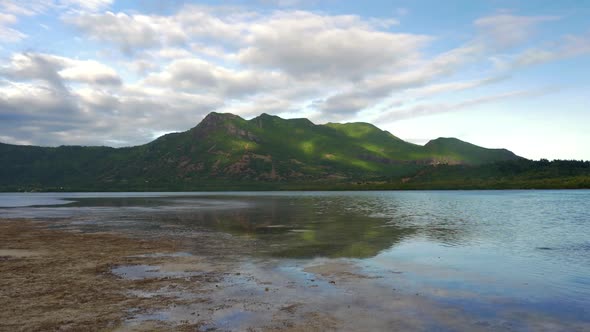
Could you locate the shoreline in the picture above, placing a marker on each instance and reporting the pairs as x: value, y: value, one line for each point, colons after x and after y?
x: 54, y: 279
x: 66, y: 279
x: 310, y: 189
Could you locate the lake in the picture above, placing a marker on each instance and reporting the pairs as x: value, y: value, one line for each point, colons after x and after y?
x: 451, y: 260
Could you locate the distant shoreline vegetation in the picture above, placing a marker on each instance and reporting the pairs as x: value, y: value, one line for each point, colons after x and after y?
x: 225, y: 152
x: 521, y: 174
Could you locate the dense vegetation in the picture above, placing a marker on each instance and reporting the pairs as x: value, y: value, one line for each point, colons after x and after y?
x: 226, y: 152
x: 514, y: 174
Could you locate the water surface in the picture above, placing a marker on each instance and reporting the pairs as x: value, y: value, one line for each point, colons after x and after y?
x: 504, y: 256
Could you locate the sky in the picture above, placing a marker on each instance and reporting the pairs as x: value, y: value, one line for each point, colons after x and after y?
x: 500, y: 74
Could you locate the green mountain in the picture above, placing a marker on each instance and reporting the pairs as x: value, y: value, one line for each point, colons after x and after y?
x: 226, y: 152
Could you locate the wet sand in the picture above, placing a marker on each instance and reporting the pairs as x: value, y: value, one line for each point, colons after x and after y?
x: 70, y: 281
x: 61, y: 280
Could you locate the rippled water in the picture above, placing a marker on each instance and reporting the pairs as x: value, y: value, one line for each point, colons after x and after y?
x: 484, y: 251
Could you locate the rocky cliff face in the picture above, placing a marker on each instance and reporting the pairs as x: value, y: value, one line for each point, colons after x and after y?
x: 218, y: 123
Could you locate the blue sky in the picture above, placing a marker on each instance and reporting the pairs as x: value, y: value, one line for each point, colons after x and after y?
x: 511, y: 74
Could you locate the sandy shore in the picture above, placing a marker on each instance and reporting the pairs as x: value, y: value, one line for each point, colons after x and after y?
x: 64, y: 280
x: 67, y: 280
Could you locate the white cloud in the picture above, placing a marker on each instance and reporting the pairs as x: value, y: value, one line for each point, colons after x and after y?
x: 23, y: 103
x: 6, y: 19
x: 327, y: 47
x: 287, y: 3
x: 220, y: 24
x: 178, y: 67
x: 569, y: 47
x: 495, y: 34
x: 41, y: 113
x: 10, y: 10
x: 142, y: 66
x: 426, y: 109
x: 26, y: 8
x: 259, y: 105
x: 8, y: 34
x: 198, y: 75
x: 31, y: 66
x: 36, y: 7
x: 439, y: 88
x: 173, y: 53
x: 89, y: 71
x: 88, y: 5
x: 299, y: 43
x: 373, y: 90
x: 508, y: 30
x: 130, y: 32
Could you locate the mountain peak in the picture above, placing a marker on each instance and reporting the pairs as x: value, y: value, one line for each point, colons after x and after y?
x: 265, y: 118
x: 361, y: 130
x: 451, y: 146
x: 266, y: 115
x: 225, y: 148
x: 215, y: 122
x: 445, y: 140
x: 216, y: 117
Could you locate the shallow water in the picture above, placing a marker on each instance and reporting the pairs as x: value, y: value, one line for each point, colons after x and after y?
x: 503, y: 258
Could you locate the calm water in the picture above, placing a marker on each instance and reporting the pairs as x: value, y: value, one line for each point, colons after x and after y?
x: 482, y: 251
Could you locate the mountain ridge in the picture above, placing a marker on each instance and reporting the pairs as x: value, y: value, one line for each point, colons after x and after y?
x: 328, y: 124
x: 226, y: 149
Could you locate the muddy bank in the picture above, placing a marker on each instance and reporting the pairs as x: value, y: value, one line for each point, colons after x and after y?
x: 62, y: 280
x: 70, y: 280
x: 66, y: 280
